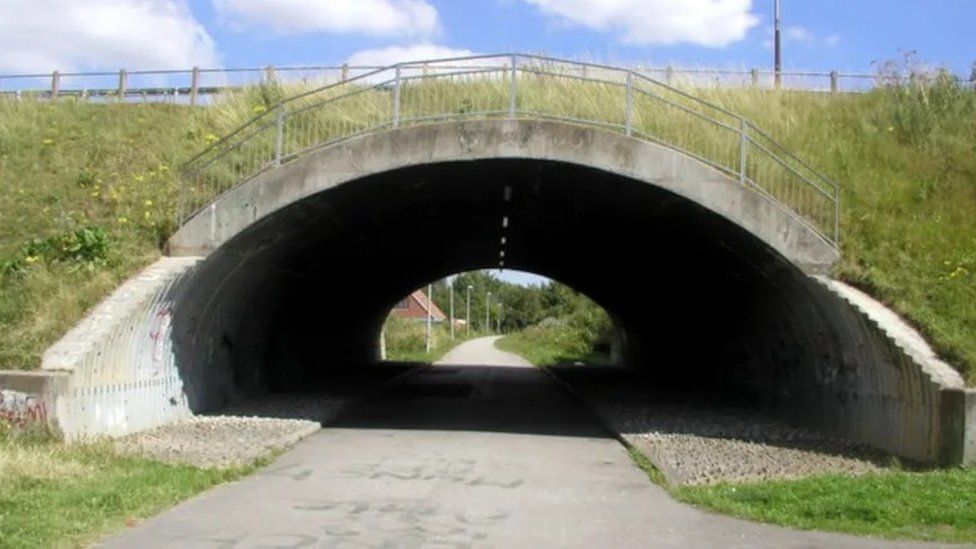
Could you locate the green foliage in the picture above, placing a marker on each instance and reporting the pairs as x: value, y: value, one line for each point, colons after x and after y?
x: 577, y: 330
x: 934, y: 505
x: 406, y: 340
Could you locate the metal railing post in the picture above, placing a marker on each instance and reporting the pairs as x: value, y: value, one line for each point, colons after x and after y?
x: 279, y: 134
x: 194, y: 85
x: 269, y: 75
x: 344, y: 72
x: 629, y: 115
x: 754, y: 73
x: 743, y: 148
x: 396, y: 98
x: 512, y: 87
x: 834, y: 86
x: 123, y: 83
x: 55, y: 85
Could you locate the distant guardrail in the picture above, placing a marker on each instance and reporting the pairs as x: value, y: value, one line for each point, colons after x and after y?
x: 193, y: 86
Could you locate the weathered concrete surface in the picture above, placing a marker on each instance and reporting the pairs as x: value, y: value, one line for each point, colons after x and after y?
x: 464, y: 456
x: 27, y: 398
x: 121, y: 372
x: 610, y: 152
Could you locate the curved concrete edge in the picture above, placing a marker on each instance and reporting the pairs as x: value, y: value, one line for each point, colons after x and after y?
x: 121, y: 374
x: 935, y: 395
x: 898, y: 331
x: 356, y: 158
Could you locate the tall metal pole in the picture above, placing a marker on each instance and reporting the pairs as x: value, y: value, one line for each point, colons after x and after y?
x: 488, y: 312
x: 451, y: 287
x: 430, y: 290
x: 778, y: 61
x: 467, y: 312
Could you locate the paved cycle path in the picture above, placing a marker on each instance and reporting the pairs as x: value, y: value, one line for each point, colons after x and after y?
x: 480, y: 450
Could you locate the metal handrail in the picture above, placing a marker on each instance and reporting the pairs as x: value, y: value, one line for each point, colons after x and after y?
x: 302, y: 123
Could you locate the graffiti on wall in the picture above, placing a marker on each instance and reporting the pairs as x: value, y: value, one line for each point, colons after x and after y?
x: 21, y: 409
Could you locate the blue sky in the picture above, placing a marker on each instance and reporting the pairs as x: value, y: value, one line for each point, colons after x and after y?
x: 847, y: 35
x: 143, y: 34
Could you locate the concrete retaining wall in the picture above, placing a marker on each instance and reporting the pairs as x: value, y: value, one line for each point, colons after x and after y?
x: 118, y: 365
x: 885, y: 386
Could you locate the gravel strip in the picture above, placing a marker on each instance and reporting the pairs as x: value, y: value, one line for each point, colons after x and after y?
x: 246, y: 431
x: 704, y: 444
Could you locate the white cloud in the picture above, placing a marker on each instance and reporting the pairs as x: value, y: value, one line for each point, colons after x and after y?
x: 370, y: 17
x: 397, y: 54
x: 44, y: 35
x: 713, y: 23
x: 797, y: 34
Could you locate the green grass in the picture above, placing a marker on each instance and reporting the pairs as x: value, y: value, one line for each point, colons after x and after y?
x: 52, y: 494
x: 933, y: 505
x: 544, y: 346
x: 905, y: 160
x: 406, y: 340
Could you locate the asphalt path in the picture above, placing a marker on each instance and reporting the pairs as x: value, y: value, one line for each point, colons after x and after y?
x: 480, y: 450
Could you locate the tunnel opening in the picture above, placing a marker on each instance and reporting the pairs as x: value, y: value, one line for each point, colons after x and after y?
x: 544, y: 319
x: 702, y: 305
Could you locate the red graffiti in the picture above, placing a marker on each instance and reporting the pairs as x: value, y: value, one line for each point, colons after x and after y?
x: 21, y: 410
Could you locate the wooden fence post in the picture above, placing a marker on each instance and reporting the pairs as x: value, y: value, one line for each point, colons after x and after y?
x: 123, y: 84
x: 55, y: 85
x: 194, y: 85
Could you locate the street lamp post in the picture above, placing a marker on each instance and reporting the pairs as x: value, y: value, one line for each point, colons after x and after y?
x: 430, y: 317
x: 777, y: 58
x: 467, y: 311
x: 450, y: 286
x: 488, y: 312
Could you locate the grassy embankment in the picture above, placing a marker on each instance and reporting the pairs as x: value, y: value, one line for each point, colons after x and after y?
x: 52, y: 494
x: 87, y: 192
x: 406, y: 340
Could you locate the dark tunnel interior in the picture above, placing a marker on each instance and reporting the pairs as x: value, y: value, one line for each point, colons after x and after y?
x: 701, y: 304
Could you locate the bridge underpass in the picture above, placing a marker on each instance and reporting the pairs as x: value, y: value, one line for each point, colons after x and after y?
x: 715, y: 285
x: 699, y: 301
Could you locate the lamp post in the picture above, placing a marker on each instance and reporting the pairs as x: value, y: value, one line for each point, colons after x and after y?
x: 488, y: 312
x: 467, y: 311
x: 450, y: 286
x: 777, y: 58
x: 430, y: 290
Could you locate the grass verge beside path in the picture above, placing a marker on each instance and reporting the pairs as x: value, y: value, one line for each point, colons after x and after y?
x: 52, y: 494
x: 406, y: 340
x: 544, y: 351
x: 931, y: 505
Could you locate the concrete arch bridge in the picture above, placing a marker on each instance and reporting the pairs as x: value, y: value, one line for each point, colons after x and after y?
x: 707, y: 241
